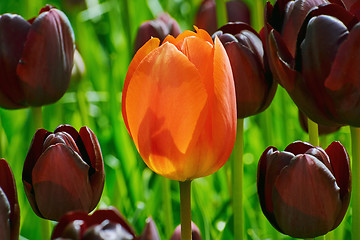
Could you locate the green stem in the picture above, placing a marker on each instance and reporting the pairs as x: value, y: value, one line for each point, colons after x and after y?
x: 237, y: 185
x: 37, y: 117
x: 313, y: 133
x: 355, y: 145
x: 45, y: 229
x: 185, y: 209
x: 82, y: 105
x: 221, y: 13
x: 168, y: 215
x: 259, y: 16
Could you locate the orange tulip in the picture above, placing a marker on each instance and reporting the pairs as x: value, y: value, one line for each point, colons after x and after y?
x: 179, y: 105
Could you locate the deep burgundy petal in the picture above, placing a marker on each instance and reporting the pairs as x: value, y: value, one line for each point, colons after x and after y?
x: 47, y: 59
x: 13, y: 33
x: 306, y: 198
x: 298, y: 147
x: 65, y: 221
x: 150, y: 231
x: 7, y: 184
x: 97, y: 177
x: 4, y: 216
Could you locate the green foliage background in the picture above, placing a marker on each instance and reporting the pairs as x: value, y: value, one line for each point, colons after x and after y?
x: 105, y: 31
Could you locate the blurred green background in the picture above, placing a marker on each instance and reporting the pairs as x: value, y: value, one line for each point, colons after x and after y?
x: 105, y: 31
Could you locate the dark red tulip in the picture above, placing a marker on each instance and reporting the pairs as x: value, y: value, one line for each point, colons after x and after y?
x: 323, y: 130
x: 102, y: 224
x: 9, y: 206
x: 254, y: 84
x: 36, y: 58
x: 160, y: 27
x: 63, y: 171
x: 150, y: 231
x: 304, y: 191
x: 195, y: 232
x: 237, y: 11
x: 317, y: 63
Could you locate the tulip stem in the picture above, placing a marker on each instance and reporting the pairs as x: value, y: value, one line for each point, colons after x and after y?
x: 185, y: 209
x: 37, y: 117
x: 355, y: 145
x: 168, y: 216
x: 221, y: 13
x: 313, y: 133
x: 237, y: 185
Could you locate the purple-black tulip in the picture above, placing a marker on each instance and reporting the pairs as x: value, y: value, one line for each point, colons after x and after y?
x: 102, y: 224
x: 254, y: 85
x: 237, y: 11
x: 313, y: 52
x: 36, y: 58
x: 9, y: 206
x: 304, y: 191
x: 63, y: 171
x: 160, y: 27
x: 195, y: 233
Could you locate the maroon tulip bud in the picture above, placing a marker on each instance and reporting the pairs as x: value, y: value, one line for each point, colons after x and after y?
x: 9, y: 206
x: 36, y: 58
x: 63, y: 171
x: 237, y: 11
x: 159, y: 28
x: 323, y: 130
x: 254, y: 85
x: 102, y: 224
x: 304, y: 191
x: 195, y: 233
x: 150, y: 231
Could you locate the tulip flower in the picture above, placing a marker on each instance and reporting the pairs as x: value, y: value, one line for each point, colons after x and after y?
x: 104, y: 224
x: 178, y: 105
x: 304, y: 191
x: 254, y: 85
x: 36, y: 58
x: 319, y: 72
x: 195, y: 233
x: 9, y: 206
x: 63, y: 171
x: 237, y: 11
x: 162, y: 26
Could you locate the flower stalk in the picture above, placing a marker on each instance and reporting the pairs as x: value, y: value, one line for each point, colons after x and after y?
x: 237, y: 184
x: 313, y: 132
x: 355, y: 142
x: 185, y: 209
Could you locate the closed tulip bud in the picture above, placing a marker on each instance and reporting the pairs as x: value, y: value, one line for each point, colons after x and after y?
x: 304, y: 191
x: 104, y: 224
x: 158, y: 28
x: 254, y: 84
x: 63, y: 171
x: 179, y: 105
x: 9, y: 206
x: 36, y: 58
x: 312, y: 56
x: 150, y: 231
x: 195, y: 232
x: 237, y: 11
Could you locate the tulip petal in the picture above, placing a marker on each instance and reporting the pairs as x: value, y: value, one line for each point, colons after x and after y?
x: 65, y: 220
x: 150, y: 231
x: 270, y: 165
x: 47, y: 60
x: 298, y: 147
x: 295, y: 14
x: 55, y: 193
x: 4, y: 216
x: 341, y: 164
x: 7, y: 184
x: 218, y: 135
x: 306, y: 198
x: 97, y: 177
x: 139, y: 56
x: 13, y: 32
x: 163, y: 102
